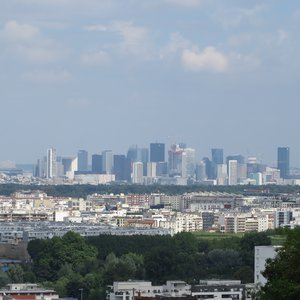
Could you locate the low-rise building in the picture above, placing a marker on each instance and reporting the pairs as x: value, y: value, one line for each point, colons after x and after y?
x: 261, y: 254
x: 209, y: 289
x: 27, y: 291
x: 219, y: 290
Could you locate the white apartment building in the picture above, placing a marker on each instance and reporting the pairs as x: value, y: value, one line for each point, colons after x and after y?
x: 127, y: 290
x: 232, y: 172
x: 219, y: 290
x: 137, y: 172
x: 261, y: 254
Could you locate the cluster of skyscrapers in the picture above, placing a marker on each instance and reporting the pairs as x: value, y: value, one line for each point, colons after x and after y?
x: 149, y: 165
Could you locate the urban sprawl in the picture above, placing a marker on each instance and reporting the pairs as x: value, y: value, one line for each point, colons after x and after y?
x: 27, y: 215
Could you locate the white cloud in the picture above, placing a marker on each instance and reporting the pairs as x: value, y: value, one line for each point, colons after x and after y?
x: 39, y: 54
x: 236, y: 16
x: 98, y: 27
x: 26, y: 42
x: 95, y: 58
x: 47, y: 76
x: 207, y: 60
x: 134, y: 38
x: 186, y: 3
x: 176, y: 43
x: 241, y: 63
x: 282, y: 36
x: 15, y: 31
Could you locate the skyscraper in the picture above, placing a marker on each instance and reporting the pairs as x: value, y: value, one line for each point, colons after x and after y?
x: 151, y: 169
x: 107, y: 161
x: 97, y: 163
x: 175, y: 160
x: 70, y: 164
x: 51, y: 163
x: 188, y: 163
x: 232, y: 172
x: 216, y: 159
x: 217, y: 156
x: 239, y: 158
x: 122, y: 168
x: 283, y: 161
x: 137, y: 172
x: 200, y: 171
x: 143, y: 156
x: 132, y: 153
x: 157, y: 152
x: 208, y: 168
x: 82, y: 156
x: 136, y: 154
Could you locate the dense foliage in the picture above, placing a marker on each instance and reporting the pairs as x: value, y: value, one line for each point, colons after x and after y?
x: 84, y: 190
x: 72, y: 262
x: 283, y: 272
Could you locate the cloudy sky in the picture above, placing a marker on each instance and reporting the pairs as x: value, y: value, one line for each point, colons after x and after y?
x: 105, y: 74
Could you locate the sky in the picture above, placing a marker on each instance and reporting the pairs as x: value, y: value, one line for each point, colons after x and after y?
x: 107, y: 74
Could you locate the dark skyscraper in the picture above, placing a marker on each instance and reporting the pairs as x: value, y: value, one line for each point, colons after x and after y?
x: 208, y: 168
x: 136, y: 154
x: 157, y: 152
x: 239, y: 158
x: 97, y: 163
x: 122, y: 168
x: 217, y: 156
x: 283, y: 161
x: 132, y: 153
x: 82, y: 157
x: 216, y: 159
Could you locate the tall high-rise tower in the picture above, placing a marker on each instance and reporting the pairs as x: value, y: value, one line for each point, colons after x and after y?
x: 82, y: 156
x: 137, y: 172
x: 283, y: 161
x: 175, y: 160
x: 51, y: 170
x: 107, y: 161
x: 216, y: 160
x: 157, y: 152
x: 232, y: 172
x: 122, y: 168
x: 188, y: 163
x: 97, y: 163
x: 217, y: 156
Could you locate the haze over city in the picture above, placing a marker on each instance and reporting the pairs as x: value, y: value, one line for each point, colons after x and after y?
x: 105, y: 74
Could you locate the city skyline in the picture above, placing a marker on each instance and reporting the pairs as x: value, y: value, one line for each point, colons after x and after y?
x: 141, y: 166
x: 211, y: 154
x: 107, y: 74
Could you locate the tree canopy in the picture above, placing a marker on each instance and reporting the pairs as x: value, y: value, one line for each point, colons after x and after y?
x: 283, y: 272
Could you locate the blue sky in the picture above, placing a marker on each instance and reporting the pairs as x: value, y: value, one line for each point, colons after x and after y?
x: 105, y: 74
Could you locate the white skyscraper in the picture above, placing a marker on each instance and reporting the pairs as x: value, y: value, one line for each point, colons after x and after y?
x: 221, y: 174
x: 188, y: 163
x: 137, y: 172
x: 232, y: 172
x: 107, y: 161
x: 51, y: 163
x: 151, y: 169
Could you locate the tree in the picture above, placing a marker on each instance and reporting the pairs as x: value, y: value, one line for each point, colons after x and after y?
x: 4, y: 279
x: 16, y: 274
x: 160, y: 264
x: 283, y: 272
x: 128, y: 266
x: 224, y: 262
x: 59, y: 256
x: 248, y: 243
